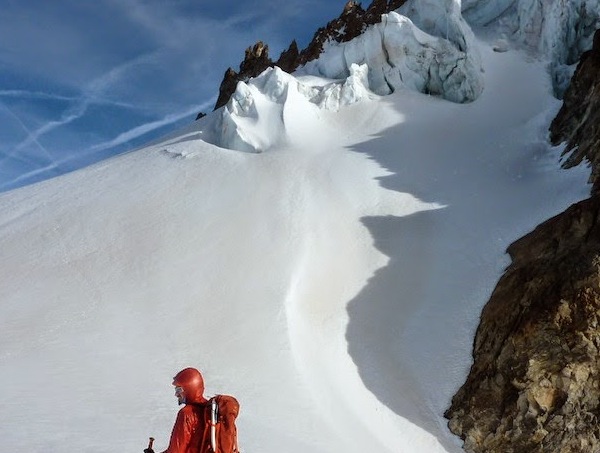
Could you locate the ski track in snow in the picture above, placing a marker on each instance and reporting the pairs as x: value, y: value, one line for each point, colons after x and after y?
x: 332, y: 283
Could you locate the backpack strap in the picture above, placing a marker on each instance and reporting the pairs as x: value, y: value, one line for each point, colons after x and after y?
x: 214, y: 418
x: 210, y: 426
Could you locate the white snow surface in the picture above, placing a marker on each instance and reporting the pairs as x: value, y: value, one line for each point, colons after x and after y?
x: 557, y: 29
x: 332, y: 283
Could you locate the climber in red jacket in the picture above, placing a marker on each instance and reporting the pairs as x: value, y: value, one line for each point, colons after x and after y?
x: 202, y: 425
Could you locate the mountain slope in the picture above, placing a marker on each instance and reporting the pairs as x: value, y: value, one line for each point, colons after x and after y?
x: 325, y: 281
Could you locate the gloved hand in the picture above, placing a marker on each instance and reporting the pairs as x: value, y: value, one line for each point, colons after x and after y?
x: 148, y: 450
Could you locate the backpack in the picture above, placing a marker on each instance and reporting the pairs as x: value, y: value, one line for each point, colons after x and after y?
x: 221, y: 412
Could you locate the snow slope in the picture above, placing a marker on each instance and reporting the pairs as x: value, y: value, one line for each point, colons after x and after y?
x: 559, y: 30
x: 332, y: 282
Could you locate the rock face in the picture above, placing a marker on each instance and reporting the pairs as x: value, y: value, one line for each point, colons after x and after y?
x: 255, y: 61
x: 535, y: 382
x: 534, y: 385
x: 351, y: 23
x: 578, y: 121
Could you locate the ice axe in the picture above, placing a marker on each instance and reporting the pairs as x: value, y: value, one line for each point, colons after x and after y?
x: 150, y: 443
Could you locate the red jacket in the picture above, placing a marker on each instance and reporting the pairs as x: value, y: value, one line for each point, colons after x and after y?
x: 191, y: 432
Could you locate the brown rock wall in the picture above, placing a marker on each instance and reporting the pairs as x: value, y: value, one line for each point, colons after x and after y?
x: 578, y: 121
x: 534, y: 385
x: 535, y: 382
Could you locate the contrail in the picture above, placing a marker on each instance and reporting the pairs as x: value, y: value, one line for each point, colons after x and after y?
x: 70, y: 115
x: 35, y: 95
x: 90, y: 96
x: 148, y: 127
x: 58, y: 97
x: 30, y: 135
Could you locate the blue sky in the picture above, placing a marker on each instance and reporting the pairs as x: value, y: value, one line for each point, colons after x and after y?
x: 82, y: 80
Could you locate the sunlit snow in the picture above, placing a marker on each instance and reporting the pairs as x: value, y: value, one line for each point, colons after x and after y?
x: 331, y: 282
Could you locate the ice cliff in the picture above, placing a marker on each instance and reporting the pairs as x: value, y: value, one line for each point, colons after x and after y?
x: 425, y: 45
x: 429, y: 48
x: 558, y: 30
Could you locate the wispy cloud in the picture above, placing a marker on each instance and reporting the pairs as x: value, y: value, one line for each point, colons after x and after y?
x: 101, y: 84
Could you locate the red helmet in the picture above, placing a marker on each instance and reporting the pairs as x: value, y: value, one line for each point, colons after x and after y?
x: 192, y: 383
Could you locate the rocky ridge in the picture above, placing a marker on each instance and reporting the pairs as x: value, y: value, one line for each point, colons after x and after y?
x: 350, y: 24
x: 578, y: 121
x: 534, y: 385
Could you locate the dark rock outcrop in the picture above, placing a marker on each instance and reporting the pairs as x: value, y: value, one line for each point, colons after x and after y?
x: 255, y: 61
x: 535, y: 382
x: 288, y: 60
x: 534, y: 385
x: 578, y: 121
x: 351, y: 23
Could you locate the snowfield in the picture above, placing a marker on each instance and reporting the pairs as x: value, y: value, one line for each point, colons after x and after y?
x: 331, y: 282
